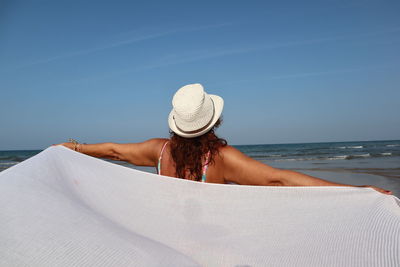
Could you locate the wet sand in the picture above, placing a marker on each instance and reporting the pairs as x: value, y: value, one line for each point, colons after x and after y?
x: 347, y: 177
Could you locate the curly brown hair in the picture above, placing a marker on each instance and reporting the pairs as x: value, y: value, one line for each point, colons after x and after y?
x: 188, y: 153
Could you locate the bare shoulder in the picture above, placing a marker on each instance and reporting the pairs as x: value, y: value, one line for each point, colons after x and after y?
x: 242, y: 169
x: 148, y: 146
x: 155, y: 142
x: 229, y: 154
x: 152, y: 147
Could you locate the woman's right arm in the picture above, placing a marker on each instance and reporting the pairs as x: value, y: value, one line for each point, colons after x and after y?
x: 140, y: 154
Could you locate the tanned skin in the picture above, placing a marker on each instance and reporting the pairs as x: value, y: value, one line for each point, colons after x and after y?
x: 230, y: 165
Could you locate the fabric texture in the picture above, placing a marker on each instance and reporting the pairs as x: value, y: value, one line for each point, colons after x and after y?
x: 63, y: 208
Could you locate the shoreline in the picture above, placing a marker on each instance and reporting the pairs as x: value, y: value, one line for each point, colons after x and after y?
x: 355, y: 178
x: 392, y: 173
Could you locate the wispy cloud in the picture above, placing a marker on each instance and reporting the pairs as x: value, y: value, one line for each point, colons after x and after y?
x: 202, y: 55
x: 199, y: 55
x: 207, y: 54
x: 125, y: 42
x: 307, y: 74
x: 330, y: 72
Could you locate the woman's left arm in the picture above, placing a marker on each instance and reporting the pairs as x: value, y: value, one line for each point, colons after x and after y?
x: 292, y: 178
x: 241, y: 169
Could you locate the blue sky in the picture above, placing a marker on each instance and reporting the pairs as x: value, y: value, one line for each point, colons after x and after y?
x: 289, y: 71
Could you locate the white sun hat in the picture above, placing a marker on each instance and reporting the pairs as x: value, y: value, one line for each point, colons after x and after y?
x: 194, y: 111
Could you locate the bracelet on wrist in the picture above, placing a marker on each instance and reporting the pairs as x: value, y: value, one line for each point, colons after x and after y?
x: 76, y: 143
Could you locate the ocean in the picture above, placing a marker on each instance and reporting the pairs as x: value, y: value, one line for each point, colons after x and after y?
x: 369, y: 162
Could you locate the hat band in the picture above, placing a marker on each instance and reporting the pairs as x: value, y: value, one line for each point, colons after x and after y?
x: 202, y: 128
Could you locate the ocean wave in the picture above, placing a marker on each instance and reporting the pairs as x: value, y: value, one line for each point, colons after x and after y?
x: 349, y: 156
x: 338, y: 157
x: 7, y: 163
x: 358, y: 156
x: 256, y: 156
x: 301, y: 159
x: 351, y: 147
x: 393, y: 145
x: 386, y: 154
x: 12, y: 158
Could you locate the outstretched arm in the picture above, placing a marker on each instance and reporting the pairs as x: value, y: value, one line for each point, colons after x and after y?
x: 140, y: 154
x: 242, y: 169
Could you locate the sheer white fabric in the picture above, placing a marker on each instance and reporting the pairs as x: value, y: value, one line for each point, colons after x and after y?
x: 63, y: 208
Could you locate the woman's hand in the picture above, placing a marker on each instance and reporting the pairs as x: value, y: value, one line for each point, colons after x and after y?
x: 68, y: 145
x: 381, y: 190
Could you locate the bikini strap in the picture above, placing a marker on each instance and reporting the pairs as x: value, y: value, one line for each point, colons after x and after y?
x: 203, y: 177
x: 160, y: 158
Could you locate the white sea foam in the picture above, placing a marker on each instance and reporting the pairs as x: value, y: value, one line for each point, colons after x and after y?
x: 386, y: 154
x: 8, y: 163
x: 338, y: 157
x: 355, y: 147
x: 349, y: 156
x: 298, y: 159
x: 393, y: 145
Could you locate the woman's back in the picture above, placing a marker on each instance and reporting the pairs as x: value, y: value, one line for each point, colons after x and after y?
x: 213, y: 170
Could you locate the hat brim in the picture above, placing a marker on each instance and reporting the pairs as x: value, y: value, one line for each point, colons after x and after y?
x: 218, y: 107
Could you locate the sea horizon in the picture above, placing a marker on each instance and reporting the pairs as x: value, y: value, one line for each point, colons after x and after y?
x: 297, y: 143
x: 253, y: 144
x: 374, y: 162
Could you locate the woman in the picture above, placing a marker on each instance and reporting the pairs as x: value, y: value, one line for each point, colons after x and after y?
x: 194, y: 151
